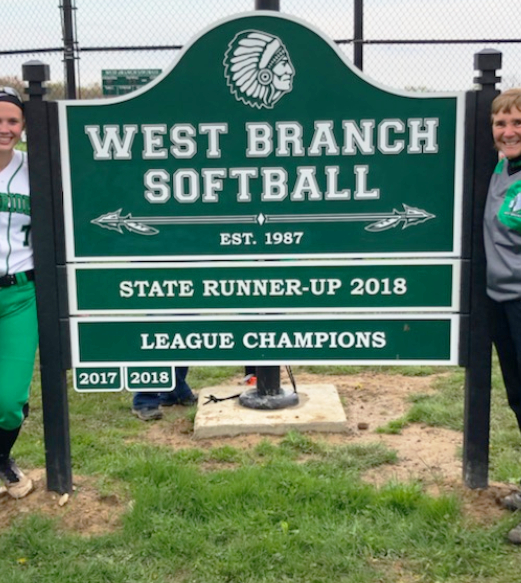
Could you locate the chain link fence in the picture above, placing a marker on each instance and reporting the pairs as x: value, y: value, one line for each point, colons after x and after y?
x: 33, y: 31
x: 431, y: 45
x: 407, y: 44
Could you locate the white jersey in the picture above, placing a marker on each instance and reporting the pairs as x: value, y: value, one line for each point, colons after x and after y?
x: 16, y: 254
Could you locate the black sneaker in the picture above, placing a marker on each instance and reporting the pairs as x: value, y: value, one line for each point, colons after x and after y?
x: 147, y: 413
x: 186, y: 401
x: 16, y: 482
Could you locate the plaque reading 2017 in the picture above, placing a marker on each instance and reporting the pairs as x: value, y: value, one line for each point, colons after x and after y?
x: 261, y: 142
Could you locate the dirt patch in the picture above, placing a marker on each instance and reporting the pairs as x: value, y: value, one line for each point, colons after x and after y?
x: 370, y: 401
x: 85, y: 511
x: 429, y: 455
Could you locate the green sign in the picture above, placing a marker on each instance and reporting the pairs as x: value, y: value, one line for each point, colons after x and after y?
x: 265, y: 340
x: 122, y: 81
x: 265, y: 286
x: 265, y: 177
x: 95, y: 379
x: 262, y: 141
x: 146, y: 378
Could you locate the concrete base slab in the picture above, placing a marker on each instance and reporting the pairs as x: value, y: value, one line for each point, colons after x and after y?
x: 319, y: 409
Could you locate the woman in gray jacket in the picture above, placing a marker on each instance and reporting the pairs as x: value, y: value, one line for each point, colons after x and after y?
x: 502, y: 233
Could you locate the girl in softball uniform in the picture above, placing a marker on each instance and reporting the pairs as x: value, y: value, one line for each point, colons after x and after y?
x: 18, y: 324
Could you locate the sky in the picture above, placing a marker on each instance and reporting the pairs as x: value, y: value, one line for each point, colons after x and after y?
x: 36, y: 24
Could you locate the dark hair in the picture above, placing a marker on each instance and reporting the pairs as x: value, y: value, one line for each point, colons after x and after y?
x: 11, y: 96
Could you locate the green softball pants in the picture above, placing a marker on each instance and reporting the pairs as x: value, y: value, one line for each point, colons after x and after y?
x: 18, y: 341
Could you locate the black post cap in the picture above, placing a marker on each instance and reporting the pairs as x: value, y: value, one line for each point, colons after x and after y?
x: 487, y: 60
x: 36, y: 71
x: 36, y: 74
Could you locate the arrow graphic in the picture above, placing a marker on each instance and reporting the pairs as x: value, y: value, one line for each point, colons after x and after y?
x: 379, y: 221
x: 410, y: 216
x: 114, y: 221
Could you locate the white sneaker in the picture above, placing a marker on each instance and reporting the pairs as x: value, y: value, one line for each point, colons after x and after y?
x: 512, y: 501
x: 16, y: 482
x: 514, y: 536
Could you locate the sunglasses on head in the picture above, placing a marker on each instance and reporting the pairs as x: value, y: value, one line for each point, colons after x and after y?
x: 12, y: 92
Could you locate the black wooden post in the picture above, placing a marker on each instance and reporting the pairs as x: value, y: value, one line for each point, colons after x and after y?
x: 42, y: 141
x: 478, y: 365
x: 358, y: 36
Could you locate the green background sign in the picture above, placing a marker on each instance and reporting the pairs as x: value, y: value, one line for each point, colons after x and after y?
x: 122, y: 81
x: 261, y: 142
x: 202, y: 166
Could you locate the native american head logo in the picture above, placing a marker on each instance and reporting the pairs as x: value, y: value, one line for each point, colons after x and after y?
x: 258, y: 69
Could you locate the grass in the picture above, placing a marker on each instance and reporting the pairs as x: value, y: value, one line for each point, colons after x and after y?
x: 409, y: 371
x: 292, y: 511
x: 442, y: 408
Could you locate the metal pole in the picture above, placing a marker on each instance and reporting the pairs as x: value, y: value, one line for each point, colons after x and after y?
x: 69, y: 43
x: 42, y: 143
x: 268, y: 377
x: 267, y: 5
x: 358, y: 36
x: 478, y: 370
x: 268, y: 394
